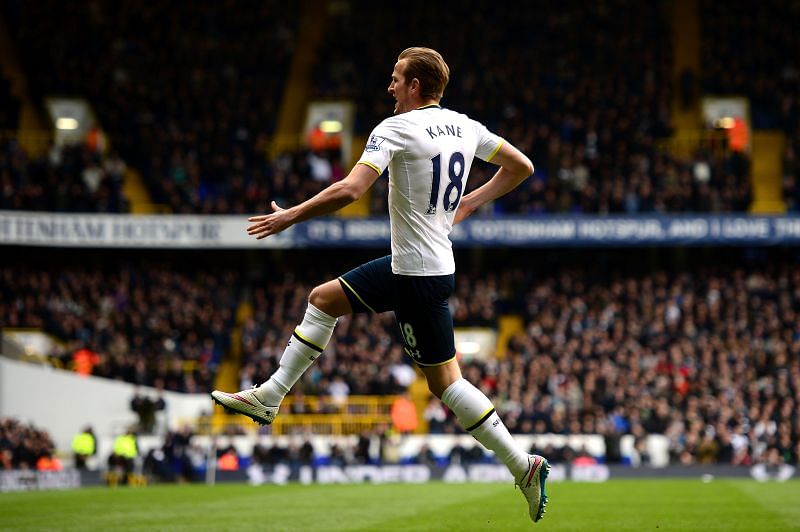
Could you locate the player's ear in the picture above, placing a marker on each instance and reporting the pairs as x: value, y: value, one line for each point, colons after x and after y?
x: 414, y: 85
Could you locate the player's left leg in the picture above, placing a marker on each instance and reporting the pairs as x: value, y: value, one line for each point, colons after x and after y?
x: 427, y: 329
x: 326, y: 303
x: 366, y: 288
x: 477, y: 415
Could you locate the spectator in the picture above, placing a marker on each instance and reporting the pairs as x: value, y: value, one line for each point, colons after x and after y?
x: 404, y: 415
x: 84, y: 360
x: 227, y: 459
x: 146, y: 409
x: 122, y: 459
x: 84, y: 446
x: 48, y: 462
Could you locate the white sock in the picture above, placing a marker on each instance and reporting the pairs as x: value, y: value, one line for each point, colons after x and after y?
x: 476, y: 413
x: 305, y: 345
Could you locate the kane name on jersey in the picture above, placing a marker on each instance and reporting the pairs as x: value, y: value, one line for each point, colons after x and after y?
x: 447, y: 130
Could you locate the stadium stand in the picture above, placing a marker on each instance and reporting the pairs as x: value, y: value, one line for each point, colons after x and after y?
x: 71, y: 178
x: 705, y: 352
x: 154, y: 323
x: 9, y: 106
x: 591, y: 125
x: 750, y: 50
x: 588, y: 107
x: 139, y: 321
x: 707, y: 356
x: 791, y: 188
x: 190, y: 109
x: 26, y: 447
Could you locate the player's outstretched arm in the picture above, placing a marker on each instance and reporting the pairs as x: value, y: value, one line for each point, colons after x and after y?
x: 515, y: 167
x: 331, y: 199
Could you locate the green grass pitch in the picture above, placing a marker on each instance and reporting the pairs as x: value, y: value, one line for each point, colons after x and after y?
x: 615, y: 505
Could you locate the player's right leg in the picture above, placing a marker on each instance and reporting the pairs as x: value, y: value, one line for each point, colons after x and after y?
x: 325, y: 304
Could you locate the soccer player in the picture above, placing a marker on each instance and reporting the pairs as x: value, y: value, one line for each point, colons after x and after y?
x: 429, y: 151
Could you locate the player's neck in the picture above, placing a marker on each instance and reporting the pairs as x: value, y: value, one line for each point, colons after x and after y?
x: 421, y: 104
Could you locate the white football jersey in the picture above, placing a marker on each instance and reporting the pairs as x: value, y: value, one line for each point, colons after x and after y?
x: 429, y: 153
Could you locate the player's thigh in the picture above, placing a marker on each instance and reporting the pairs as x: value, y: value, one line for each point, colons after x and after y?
x: 370, y: 287
x: 423, y: 315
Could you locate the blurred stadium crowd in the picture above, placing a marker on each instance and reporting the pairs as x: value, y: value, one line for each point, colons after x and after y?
x: 710, y: 358
x: 707, y: 355
x: 189, y: 109
x: 26, y: 447
x: 143, y: 323
x: 66, y: 179
x: 588, y: 107
x: 748, y: 50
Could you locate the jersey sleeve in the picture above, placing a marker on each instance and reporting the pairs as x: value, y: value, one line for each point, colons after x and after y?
x: 383, y: 143
x: 488, y: 143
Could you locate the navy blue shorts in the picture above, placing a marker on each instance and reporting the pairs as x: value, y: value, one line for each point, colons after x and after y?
x: 419, y: 304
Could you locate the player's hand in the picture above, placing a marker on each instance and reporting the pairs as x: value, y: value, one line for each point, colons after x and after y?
x: 269, y: 224
x: 465, y: 209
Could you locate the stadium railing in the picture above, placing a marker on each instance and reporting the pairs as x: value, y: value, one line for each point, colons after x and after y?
x: 322, y: 415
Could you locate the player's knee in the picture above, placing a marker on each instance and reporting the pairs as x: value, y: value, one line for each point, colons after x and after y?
x: 318, y: 298
x: 330, y: 298
x: 439, y: 378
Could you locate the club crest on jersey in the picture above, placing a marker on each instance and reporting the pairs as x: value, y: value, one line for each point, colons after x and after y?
x: 374, y: 143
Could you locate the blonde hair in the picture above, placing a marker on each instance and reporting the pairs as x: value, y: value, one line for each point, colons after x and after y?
x: 429, y: 68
